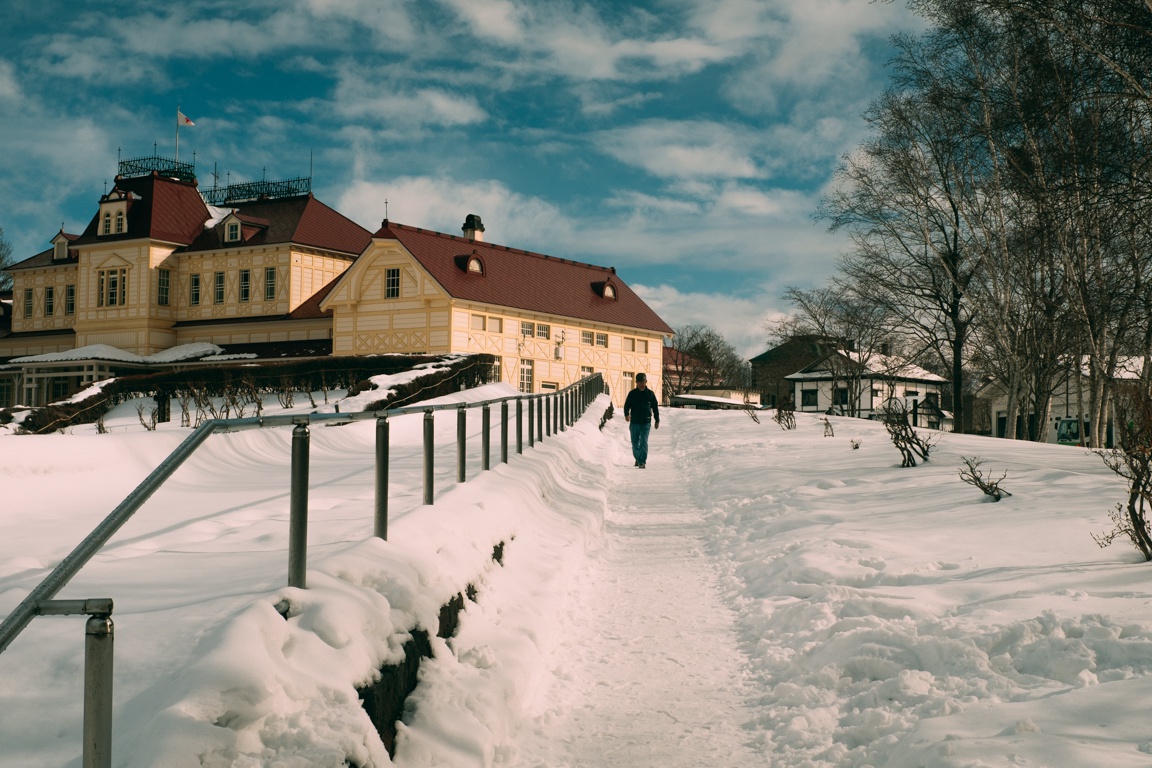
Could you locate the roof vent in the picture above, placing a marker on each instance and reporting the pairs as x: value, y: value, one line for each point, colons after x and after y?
x: 473, y: 228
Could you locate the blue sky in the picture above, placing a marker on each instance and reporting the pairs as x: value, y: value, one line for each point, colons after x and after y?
x: 685, y: 142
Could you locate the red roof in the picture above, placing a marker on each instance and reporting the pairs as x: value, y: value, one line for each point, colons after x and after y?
x: 524, y: 280
x: 159, y: 208
x: 303, y: 220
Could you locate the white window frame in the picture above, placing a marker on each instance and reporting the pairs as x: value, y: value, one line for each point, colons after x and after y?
x: 543, y: 331
x: 587, y: 337
x: 49, y: 300
x: 163, y: 287
x: 602, y: 340
x: 194, y: 289
x: 527, y: 329
x: 527, y: 375
x: 245, y: 286
x: 392, y: 283
x: 218, y: 288
x: 269, y: 283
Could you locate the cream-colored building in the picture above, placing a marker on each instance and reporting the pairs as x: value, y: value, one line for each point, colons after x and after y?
x: 265, y: 270
x: 548, y: 321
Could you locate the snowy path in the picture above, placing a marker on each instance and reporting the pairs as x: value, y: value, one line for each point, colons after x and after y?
x: 650, y: 672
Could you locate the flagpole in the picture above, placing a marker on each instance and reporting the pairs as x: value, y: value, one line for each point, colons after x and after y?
x: 177, y: 134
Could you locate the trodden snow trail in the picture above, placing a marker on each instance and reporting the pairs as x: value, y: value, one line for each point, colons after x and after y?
x: 650, y: 671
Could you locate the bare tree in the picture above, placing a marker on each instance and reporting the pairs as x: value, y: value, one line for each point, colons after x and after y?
x: 5, y: 262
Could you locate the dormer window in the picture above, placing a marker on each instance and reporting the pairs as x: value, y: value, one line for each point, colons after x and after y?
x: 470, y: 263
x: 232, y: 233
x: 119, y: 222
x: 107, y: 227
x: 605, y: 290
x: 60, y: 249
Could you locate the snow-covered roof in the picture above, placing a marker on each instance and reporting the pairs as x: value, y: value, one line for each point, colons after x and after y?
x: 886, y: 366
x: 731, y: 401
x: 106, y: 352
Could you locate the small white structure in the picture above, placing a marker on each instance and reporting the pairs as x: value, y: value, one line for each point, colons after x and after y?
x: 843, y: 383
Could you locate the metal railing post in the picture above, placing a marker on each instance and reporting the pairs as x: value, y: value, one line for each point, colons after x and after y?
x: 547, y: 418
x: 298, y: 508
x: 485, y: 437
x: 99, y: 635
x: 561, y: 411
x: 519, y: 426
x: 381, y: 526
x: 461, y: 443
x: 531, y: 422
x: 429, y: 442
x: 503, y: 431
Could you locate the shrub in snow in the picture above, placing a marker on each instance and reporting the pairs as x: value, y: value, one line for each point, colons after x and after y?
x: 973, y: 475
x: 786, y: 414
x: 1133, y: 462
x: 906, y: 439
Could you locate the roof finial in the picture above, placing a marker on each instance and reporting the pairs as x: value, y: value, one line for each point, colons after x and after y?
x: 385, y: 209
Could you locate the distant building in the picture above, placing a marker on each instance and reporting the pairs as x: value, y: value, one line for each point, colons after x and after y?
x: 264, y: 270
x: 771, y: 369
x: 843, y: 382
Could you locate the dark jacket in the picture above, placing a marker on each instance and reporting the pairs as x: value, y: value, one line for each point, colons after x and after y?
x: 641, y: 405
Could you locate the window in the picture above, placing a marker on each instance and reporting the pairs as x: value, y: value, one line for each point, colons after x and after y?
x: 163, y: 286
x: 478, y: 323
x: 840, y: 397
x: 49, y: 301
x: 233, y: 233
x: 629, y: 379
x: 475, y: 266
x: 527, y: 329
x: 609, y: 291
x: 543, y: 331
x: 586, y: 370
x: 245, y: 284
x: 27, y: 302
x: 642, y: 346
x: 586, y: 337
x: 549, y: 386
x: 119, y: 222
x: 112, y: 287
x: 194, y: 290
x: 877, y: 394
x: 496, y: 325
x: 5, y: 393
x: 61, y: 249
x: 809, y: 398
x: 269, y: 283
x: 911, y: 393
x: 526, y: 375
x: 107, y: 224
x: 392, y: 283
x: 59, y: 389
x: 627, y: 344
x: 218, y: 288
x: 69, y: 299
x: 602, y: 340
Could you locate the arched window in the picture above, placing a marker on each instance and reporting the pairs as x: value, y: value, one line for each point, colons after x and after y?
x: 107, y: 224
x: 475, y: 266
x: 609, y: 291
x: 119, y: 221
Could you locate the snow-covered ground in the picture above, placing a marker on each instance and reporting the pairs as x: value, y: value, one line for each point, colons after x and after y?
x: 754, y: 597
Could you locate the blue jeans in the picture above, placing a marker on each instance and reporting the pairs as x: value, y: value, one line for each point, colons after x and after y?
x: 640, y: 440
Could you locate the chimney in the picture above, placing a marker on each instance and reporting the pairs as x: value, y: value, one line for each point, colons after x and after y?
x: 473, y: 228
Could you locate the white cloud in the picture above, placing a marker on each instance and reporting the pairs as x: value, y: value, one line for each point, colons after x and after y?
x: 442, y: 203
x: 9, y: 85
x: 683, y: 149
x: 740, y: 320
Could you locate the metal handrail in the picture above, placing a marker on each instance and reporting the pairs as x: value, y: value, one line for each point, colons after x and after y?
x: 22, y: 615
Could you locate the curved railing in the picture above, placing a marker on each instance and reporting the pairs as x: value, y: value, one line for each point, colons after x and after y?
x: 547, y: 414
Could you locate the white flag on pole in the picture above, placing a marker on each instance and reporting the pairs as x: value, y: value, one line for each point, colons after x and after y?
x: 183, y: 119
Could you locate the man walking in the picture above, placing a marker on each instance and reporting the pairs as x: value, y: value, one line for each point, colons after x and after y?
x: 641, y: 412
